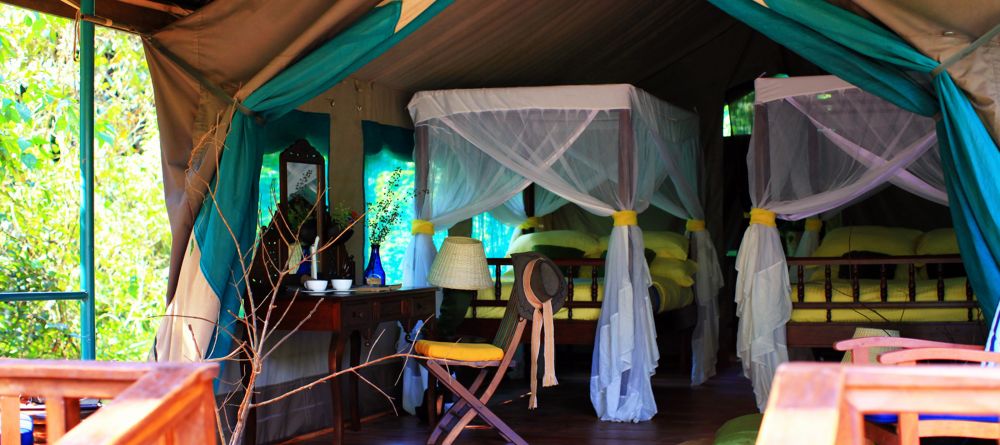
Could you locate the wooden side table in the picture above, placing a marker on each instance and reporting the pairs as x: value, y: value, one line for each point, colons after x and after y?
x: 348, y: 318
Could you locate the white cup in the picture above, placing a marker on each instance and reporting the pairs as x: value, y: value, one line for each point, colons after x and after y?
x: 342, y: 283
x: 316, y: 285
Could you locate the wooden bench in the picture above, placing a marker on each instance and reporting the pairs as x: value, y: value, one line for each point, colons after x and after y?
x: 150, y: 403
x: 821, y: 403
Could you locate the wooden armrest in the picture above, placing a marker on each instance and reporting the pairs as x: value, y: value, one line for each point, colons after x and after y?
x: 912, y: 356
x: 860, y: 347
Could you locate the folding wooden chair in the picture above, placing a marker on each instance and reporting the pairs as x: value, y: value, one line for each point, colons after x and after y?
x: 484, y: 356
x: 908, y: 428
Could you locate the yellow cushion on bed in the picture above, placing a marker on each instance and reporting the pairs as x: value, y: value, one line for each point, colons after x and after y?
x: 679, y: 271
x: 938, y: 242
x: 466, y: 352
x: 572, y: 239
x: 886, y: 240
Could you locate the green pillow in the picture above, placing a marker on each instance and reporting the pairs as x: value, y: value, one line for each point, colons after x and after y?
x: 585, y: 271
x: 938, y: 242
x: 895, y: 241
x: 679, y: 271
x: 739, y: 431
x: 573, y: 239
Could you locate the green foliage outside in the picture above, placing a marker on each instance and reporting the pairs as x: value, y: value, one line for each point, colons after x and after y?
x: 737, y: 116
x: 40, y: 191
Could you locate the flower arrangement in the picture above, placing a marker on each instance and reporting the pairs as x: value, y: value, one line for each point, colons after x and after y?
x: 385, y: 212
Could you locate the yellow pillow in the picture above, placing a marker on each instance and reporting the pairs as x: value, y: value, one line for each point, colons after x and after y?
x: 679, y: 271
x: 938, y: 242
x: 664, y: 244
x: 894, y: 241
x: 572, y: 239
x: 466, y: 352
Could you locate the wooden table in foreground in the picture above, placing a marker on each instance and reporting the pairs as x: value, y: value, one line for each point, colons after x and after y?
x: 349, y: 318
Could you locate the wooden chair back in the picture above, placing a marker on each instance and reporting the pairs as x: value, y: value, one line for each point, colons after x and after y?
x: 860, y: 347
x: 152, y: 403
x: 914, y: 356
x: 825, y: 404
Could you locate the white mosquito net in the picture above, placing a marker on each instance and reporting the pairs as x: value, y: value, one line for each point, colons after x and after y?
x: 818, y: 144
x: 610, y: 149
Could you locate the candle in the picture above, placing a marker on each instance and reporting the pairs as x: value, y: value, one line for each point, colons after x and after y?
x: 315, y: 259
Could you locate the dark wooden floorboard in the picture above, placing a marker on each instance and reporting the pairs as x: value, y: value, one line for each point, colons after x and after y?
x: 565, y: 415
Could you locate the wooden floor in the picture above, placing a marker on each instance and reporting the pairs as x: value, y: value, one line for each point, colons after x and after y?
x: 565, y: 415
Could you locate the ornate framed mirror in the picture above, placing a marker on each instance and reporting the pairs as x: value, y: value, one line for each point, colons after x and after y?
x: 302, y: 195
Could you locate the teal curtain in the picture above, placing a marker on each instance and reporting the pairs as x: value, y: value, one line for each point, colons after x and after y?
x: 225, y: 228
x: 878, y: 61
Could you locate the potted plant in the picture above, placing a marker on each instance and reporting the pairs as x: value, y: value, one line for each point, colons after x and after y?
x: 382, y: 216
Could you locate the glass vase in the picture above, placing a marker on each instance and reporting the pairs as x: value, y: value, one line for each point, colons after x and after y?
x: 374, y: 273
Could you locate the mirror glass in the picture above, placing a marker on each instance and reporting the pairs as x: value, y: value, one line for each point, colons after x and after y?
x: 303, y: 180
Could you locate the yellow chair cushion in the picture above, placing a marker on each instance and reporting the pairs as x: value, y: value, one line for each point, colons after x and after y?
x: 466, y: 352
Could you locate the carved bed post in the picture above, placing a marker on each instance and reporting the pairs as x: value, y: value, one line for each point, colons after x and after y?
x: 528, y: 198
x: 422, y: 164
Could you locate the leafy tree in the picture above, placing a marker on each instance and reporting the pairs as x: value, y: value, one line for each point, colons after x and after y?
x: 40, y: 190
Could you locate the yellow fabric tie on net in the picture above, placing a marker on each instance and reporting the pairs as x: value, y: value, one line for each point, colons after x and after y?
x: 763, y: 217
x: 814, y: 224
x: 531, y: 222
x: 422, y: 227
x: 695, y: 225
x: 626, y: 218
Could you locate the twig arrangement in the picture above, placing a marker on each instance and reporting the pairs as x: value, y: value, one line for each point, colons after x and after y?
x: 259, y: 321
x: 384, y: 213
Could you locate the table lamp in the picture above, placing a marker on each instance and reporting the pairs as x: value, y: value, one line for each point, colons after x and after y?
x: 460, y: 269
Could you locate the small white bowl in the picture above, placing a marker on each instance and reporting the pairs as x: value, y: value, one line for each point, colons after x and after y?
x: 316, y: 285
x: 342, y: 284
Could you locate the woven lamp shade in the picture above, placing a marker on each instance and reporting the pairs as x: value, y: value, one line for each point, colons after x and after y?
x: 461, y: 264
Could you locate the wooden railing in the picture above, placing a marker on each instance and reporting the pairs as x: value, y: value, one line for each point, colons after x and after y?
x: 150, y: 403
x: 829, y: 264
x: 572, y: 266
x: 818, y: 403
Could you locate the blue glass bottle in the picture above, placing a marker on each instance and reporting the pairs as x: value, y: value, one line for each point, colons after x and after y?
x: 374, y: 273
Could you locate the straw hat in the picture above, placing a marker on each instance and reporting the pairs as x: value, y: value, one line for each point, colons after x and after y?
x: 547, y: 282
x: 461, y: 264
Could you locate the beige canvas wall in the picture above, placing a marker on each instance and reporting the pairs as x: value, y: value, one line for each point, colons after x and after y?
x: 348, y: 103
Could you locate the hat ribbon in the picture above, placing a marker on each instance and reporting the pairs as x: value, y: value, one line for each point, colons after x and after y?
x: 541, y: 317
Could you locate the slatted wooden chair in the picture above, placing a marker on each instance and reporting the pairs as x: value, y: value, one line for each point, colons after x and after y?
x: 496, y: 357
x: 910, y: 427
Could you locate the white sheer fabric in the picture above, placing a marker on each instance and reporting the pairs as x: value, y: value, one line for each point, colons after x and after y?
x: 661, y: 126
x: 512, y: 212
x: 815, y: 149
x: 567, y: 140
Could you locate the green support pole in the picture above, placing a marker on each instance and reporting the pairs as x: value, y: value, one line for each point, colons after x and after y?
x: 87, y: 316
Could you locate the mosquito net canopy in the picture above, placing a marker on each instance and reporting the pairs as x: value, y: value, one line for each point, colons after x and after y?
x: 818, y: 144
x: 611, y: 149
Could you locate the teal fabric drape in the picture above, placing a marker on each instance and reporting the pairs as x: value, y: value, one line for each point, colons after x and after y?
x: 880, y: 62
x: 235, y: 186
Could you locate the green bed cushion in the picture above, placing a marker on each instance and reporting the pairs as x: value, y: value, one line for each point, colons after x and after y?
x: 572, y: 239
x: 895, y: 241
x: 679, y: 271
x: 739, y: 431
x: 662, y: 243
x: 938, y: 242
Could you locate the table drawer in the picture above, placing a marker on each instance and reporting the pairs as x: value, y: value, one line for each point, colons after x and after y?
x: 391, y: 310
x: 422, y: 306
x: 358, y: 314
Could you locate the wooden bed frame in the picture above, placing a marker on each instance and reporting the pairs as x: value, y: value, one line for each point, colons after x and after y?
x: 670, y: 324
x: 824, y: 334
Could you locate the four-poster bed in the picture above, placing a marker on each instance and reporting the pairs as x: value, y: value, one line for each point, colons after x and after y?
x: 477, y: 149
x: 818, y: 145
